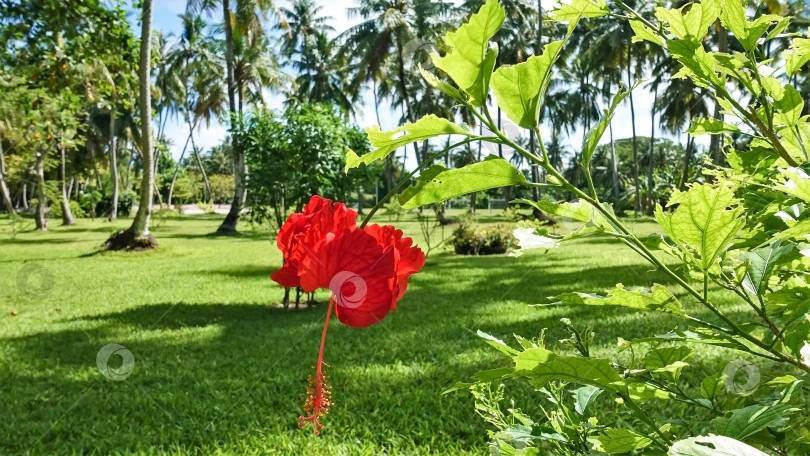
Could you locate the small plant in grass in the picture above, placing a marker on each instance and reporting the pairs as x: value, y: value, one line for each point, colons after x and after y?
x: 488, y: 240
x: 744, y: 230
x: 394, y: 210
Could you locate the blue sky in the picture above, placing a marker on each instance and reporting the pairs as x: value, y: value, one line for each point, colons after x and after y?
x: 166, y: 20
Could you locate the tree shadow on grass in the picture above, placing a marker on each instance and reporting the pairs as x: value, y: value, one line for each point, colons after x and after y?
x: 212, y: 374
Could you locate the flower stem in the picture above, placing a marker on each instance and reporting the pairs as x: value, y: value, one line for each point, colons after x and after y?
x: 318, y: 396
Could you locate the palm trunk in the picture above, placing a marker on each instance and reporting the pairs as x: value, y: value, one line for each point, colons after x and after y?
x: 389, y: 160
x: 535, y: 171
x: 239, y: 167
x: 137, y: 237
x: 3, y: 187
x: 113, y: 160
x: 176, y: 170
x: 199, y: 162
x: 651, y: 164
x: 359, y: 199
x: 687, y: 160
x: 614, y: 164
x: 141, y: 223
x: 40, y: 217
x: 714, y: 145
x: 633, y: 125
x: 67, y: 215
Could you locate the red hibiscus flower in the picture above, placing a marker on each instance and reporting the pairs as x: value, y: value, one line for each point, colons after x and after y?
x: 365, y: 269
x: 319, y: 218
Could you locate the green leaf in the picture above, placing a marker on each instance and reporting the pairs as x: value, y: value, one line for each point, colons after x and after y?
x: 578, y: 9
x: 497, y: 343
x: 712, y: 445
x: 799, y: 231
x: 693, y: 25
x: 464, y: 62
x: 583, y: 397
x: 797, y: 183
x: 438, y: 183
x: 388, y: 141
x: 704, y: 223
x: 580, y: 211
x: 702, y: 126
x: 667, y: 360
x: 797, y: 55
x: 519, y: 88
x: 711, y: 386
x: 789, y: 106
x: 616, y: 441
x: 457, y: 386
x: 750, y: 420
x: 644, y: 33
x: 657, y: 298
x: 701, y: 65
x: 530, y: 358
x: 442, y: 86
x: 707, y: 337
x: 592, y: 138
x: 761, y: 263
x: 494, y: 374
x: 583, y: 371
x: 733, y: 17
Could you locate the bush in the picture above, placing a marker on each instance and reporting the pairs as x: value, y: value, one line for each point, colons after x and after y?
x: 488, y: 240
x: 394, y: 209
x: 75, y: 208
x: 126, y: 200
x: 88, y: 201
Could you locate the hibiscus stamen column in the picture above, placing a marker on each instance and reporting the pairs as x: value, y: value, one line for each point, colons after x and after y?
x: 319, y: 397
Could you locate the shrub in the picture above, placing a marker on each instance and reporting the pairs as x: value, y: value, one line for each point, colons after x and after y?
x: 394, y: 209
x: 489, y: 240
x: 75, y: 208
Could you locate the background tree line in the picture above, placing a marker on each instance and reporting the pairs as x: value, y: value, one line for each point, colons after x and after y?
x: 71, y: 129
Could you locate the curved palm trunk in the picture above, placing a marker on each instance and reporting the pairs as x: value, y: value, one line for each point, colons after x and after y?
x: 67, y: 215
x: 3, y: 187
x: 176, y: 170
x: 239, y: 166
x: 199, y: 162
x: 40, y: 216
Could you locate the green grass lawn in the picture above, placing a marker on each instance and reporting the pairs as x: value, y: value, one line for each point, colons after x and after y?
x: 219, y: 368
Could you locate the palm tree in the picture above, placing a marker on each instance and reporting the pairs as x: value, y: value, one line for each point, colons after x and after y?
x: 138, y: 236
x: 323, y: 72
x: 678, y: 102
x: 247, y: 16
x: 192, y: 63
x: 609, y: 46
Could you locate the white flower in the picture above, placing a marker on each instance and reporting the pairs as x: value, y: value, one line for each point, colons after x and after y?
x: 529, y: 239
x: 799, y: 172
x: 805, y: 352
